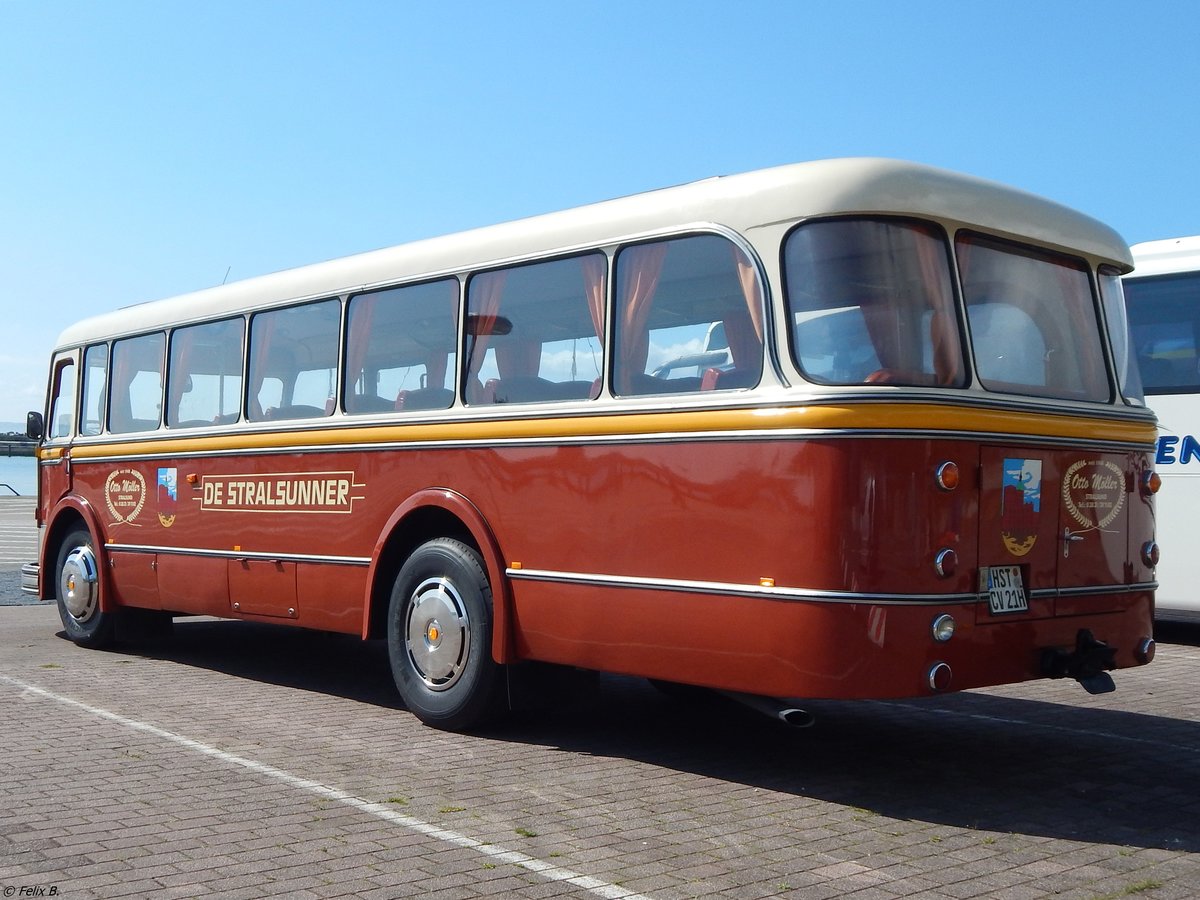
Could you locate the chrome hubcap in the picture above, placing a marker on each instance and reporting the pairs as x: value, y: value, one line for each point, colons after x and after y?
x: 437, y: 634
x: 77, y: 584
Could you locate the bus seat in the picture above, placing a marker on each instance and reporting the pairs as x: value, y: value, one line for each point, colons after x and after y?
x: 522, y: 389
x: 727, y: 379
x: 577, y: 390
x: 651, y: 384
x: 479, y: 394
x: 947, y: 359
x: 295, y: 411
x: 361, y: 403
x: 425, y: 398
x: 531, y: 389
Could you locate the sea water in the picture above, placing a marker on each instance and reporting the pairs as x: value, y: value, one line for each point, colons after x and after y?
x: 19, y: 473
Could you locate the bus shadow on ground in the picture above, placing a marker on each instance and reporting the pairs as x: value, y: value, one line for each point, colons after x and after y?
x: 970, y: 760
x: 338, y: 665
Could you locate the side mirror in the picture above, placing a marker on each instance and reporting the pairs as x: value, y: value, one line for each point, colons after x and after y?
x: 35, y: 428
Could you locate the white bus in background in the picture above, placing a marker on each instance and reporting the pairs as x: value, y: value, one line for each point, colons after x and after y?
x: 1163, y: 301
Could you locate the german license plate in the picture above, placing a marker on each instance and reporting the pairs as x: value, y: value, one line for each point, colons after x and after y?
x: 1005, y: 590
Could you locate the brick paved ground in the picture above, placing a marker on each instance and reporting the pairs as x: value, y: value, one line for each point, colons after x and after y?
x: 245, y: 761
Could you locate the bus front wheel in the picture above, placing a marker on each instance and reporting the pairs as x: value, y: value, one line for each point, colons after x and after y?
x: 440, y: 637
x: 77, y: 575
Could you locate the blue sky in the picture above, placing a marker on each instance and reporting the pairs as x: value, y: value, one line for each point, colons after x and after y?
x: 148, y: 148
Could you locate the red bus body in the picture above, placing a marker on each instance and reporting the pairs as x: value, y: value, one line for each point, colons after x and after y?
x: 777, y: 544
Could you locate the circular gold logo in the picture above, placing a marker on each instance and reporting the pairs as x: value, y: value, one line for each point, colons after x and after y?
x: 125, y: 494
x: 1093, y: 491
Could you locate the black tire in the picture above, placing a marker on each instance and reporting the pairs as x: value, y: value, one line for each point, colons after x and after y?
x: 77, y: 588
x: 440, y: 637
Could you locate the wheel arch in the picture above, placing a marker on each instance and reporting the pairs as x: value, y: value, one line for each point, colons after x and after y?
x: 70, y: 513
x: 424, y: 516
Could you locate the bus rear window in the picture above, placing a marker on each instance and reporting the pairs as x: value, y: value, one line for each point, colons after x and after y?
x: 1033, y: 321
x: 870, y: 302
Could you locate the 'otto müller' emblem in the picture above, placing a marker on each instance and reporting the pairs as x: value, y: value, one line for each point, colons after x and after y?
x: 1093, y: 492
x: 1020, y: 504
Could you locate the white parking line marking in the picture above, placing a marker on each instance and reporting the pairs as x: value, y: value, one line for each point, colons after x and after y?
x: 546, y: 870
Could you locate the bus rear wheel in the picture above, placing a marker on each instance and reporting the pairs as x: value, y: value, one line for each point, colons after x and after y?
x: 440, y: 637
x: 77, y: 581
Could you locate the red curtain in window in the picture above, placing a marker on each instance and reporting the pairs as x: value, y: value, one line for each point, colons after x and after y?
x: 943, y: 329
x: 745, y: 332
x: 179, y: 373
x: 483, y: 308
x: 1077, y: 297
x: 639, y: 270
x: 436, y: 365
x: 362, y: 309
x: 262, y: 329
x: 595, y: 268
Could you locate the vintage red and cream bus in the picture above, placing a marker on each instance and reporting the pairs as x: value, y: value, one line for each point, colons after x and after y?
x: 843, y: 429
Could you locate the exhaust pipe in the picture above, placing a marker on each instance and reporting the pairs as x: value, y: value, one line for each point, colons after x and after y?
x: 771, y: 707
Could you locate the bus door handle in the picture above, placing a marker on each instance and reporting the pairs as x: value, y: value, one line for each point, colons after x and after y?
x: 1069, y: 538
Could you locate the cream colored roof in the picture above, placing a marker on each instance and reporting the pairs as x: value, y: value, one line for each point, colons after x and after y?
x: 783, y: 194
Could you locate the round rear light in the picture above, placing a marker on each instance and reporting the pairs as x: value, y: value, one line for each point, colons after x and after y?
x: 1150, y: 553
x: 940, y: 676
x: 947, y: 476
x: 1151, y: 482
x: 945, y: 563
x: 943, y: 627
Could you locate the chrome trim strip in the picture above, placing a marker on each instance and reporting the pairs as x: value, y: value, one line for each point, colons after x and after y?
x: 737, y: 590
x: 648, y: 438
x: 242, y: 554
x: 1095, y: 589
x: 810, y: 595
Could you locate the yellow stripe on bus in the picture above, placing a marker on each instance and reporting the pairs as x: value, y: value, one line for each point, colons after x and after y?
x: 848, y: 418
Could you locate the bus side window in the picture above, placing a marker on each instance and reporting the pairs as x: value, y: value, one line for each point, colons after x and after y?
x: 62, y: 410
x: 688, y: 318
x: 204, y: 382
x: 95, y: 380
x: 1164, y: 325
x: 533, y: 332
x: 293, y: 361
x: 135, y: 401
x: 400, y: 348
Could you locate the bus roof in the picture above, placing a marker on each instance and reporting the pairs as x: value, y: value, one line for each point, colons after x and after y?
x: 1180, y: 254
x: 772, y: 196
